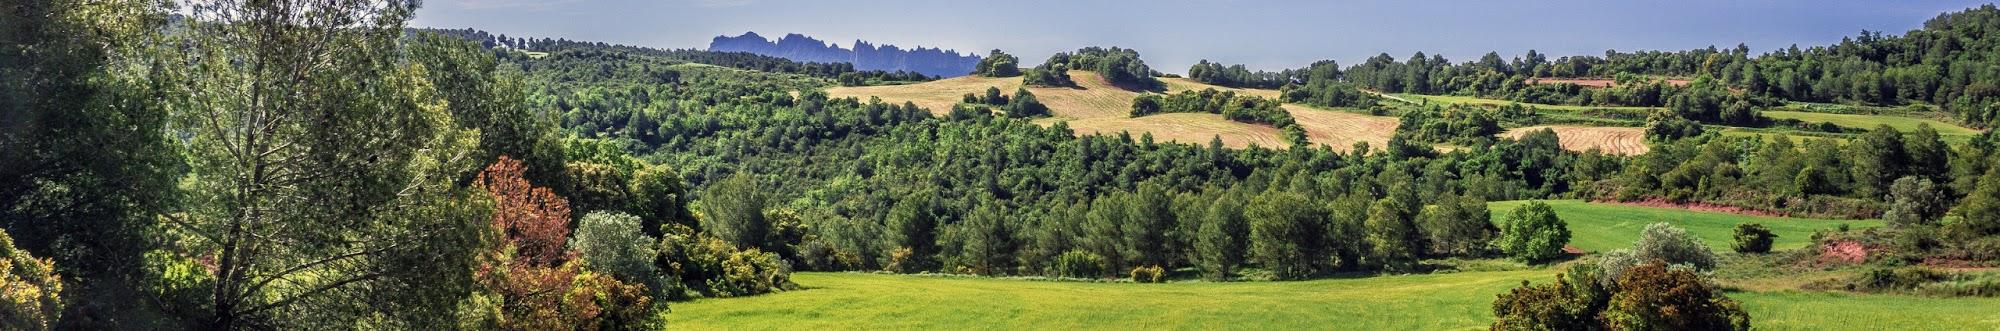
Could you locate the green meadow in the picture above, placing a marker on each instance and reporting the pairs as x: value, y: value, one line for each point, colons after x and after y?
x: 1599, y: 227
x: 1454, y: 301
x: 1905, y: 124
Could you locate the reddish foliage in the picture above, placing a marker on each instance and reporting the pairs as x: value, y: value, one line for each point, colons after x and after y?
x: 534, y: 219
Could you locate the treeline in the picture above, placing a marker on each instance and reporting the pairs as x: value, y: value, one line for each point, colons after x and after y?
x: 1946, y: 64
x: 1325, y: 85
x: 1240, y: 108
x: 1238, y: 76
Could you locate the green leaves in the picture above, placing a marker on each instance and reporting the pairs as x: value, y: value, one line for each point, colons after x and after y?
x: 1534, y: 234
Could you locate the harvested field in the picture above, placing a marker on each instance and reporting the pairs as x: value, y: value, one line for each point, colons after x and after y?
x: 1193, y: 128
x: 938, y: 96
x: 1184, y: 84
x: 1611, y: 140
x: 1342, y: 129
x: 1097, y: 107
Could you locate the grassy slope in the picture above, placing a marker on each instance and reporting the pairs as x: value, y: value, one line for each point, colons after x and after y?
x: 1905, y: 124
x: 1601, y: 227
x: 1097, y: 107
x: 1420, y: 302
x: 873, y: 301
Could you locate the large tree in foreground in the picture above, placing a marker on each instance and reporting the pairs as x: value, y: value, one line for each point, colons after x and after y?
x: 321, y: 168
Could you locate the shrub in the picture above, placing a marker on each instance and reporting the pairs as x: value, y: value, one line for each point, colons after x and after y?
x: 1152, y: 274
x: 1655, y: 297
x: 1078, y: 264
x: 1753, y: 238
x: 1672, y: 245
x: 1534, y: 234
x: 751, y: 272
x: 30, y: 290
x: 1548, y: 306
x: 610, y: 242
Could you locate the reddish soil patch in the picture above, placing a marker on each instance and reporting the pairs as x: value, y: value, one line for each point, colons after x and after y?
x: 1572, y: 250
x: 1699, y: 206
x: 1843, y: 251
x: 1595, y: 82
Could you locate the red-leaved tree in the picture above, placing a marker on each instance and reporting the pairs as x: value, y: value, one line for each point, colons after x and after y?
x: 531, y: 218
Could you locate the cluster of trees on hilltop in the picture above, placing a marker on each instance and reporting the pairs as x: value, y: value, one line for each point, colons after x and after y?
x: 998, y: 64
x: 1240, y: 108
x: 1120, y: 66
x: 1238, y: 76
x: 1021, y: 105
x: 1325, y: 85
x: 1051, y: 73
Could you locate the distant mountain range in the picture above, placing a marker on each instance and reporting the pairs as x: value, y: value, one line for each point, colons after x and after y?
x: 864, y: 56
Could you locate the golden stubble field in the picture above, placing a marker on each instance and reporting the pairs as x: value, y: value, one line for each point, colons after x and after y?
x: 1097, y: 107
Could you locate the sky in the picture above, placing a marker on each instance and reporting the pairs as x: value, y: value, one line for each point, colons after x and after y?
x: 1173, y: 34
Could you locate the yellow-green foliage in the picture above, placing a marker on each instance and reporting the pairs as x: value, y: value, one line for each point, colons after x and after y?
x: 30, y: 291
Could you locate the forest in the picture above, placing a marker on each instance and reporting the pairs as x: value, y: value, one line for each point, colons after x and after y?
x: 260, y: 166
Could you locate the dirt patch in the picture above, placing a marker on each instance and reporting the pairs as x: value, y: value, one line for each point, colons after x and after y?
x: 1699, y: 206
x: 1842, y: 251
x: 1595, y: 82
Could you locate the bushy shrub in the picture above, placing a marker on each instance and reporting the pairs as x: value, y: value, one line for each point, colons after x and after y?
x: 715, y: 267
x: 619, y: 305
x: 1152, y: 274
x: 1078, y: 264
x: 30, y: 290
x: 1550, y: 306
x: 1656, y: 297
x: 1534, y: 234
x: 1753, y: 238
x: 1648, y: 297
x: 1672, y: 245
x: 751, y: 272
x: 611, y: 243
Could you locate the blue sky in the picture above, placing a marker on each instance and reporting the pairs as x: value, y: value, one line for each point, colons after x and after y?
x: 1173, y: 34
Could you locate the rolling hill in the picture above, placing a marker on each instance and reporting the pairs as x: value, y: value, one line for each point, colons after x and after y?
x: 1097, y: 107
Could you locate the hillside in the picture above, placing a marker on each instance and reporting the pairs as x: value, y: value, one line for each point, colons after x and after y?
x: 1097, y: 107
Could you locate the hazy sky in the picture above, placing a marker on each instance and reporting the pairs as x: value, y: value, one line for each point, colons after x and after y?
x: 1173, y: 34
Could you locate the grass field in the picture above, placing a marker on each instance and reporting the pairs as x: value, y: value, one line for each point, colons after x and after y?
x: 1455, y: 99
x: 1905, y: 124
x: 901, y: 302
x: 1456, y: 301
x: 1610, y: 140
x: 1097, y: 107
x: 1599, y: 227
